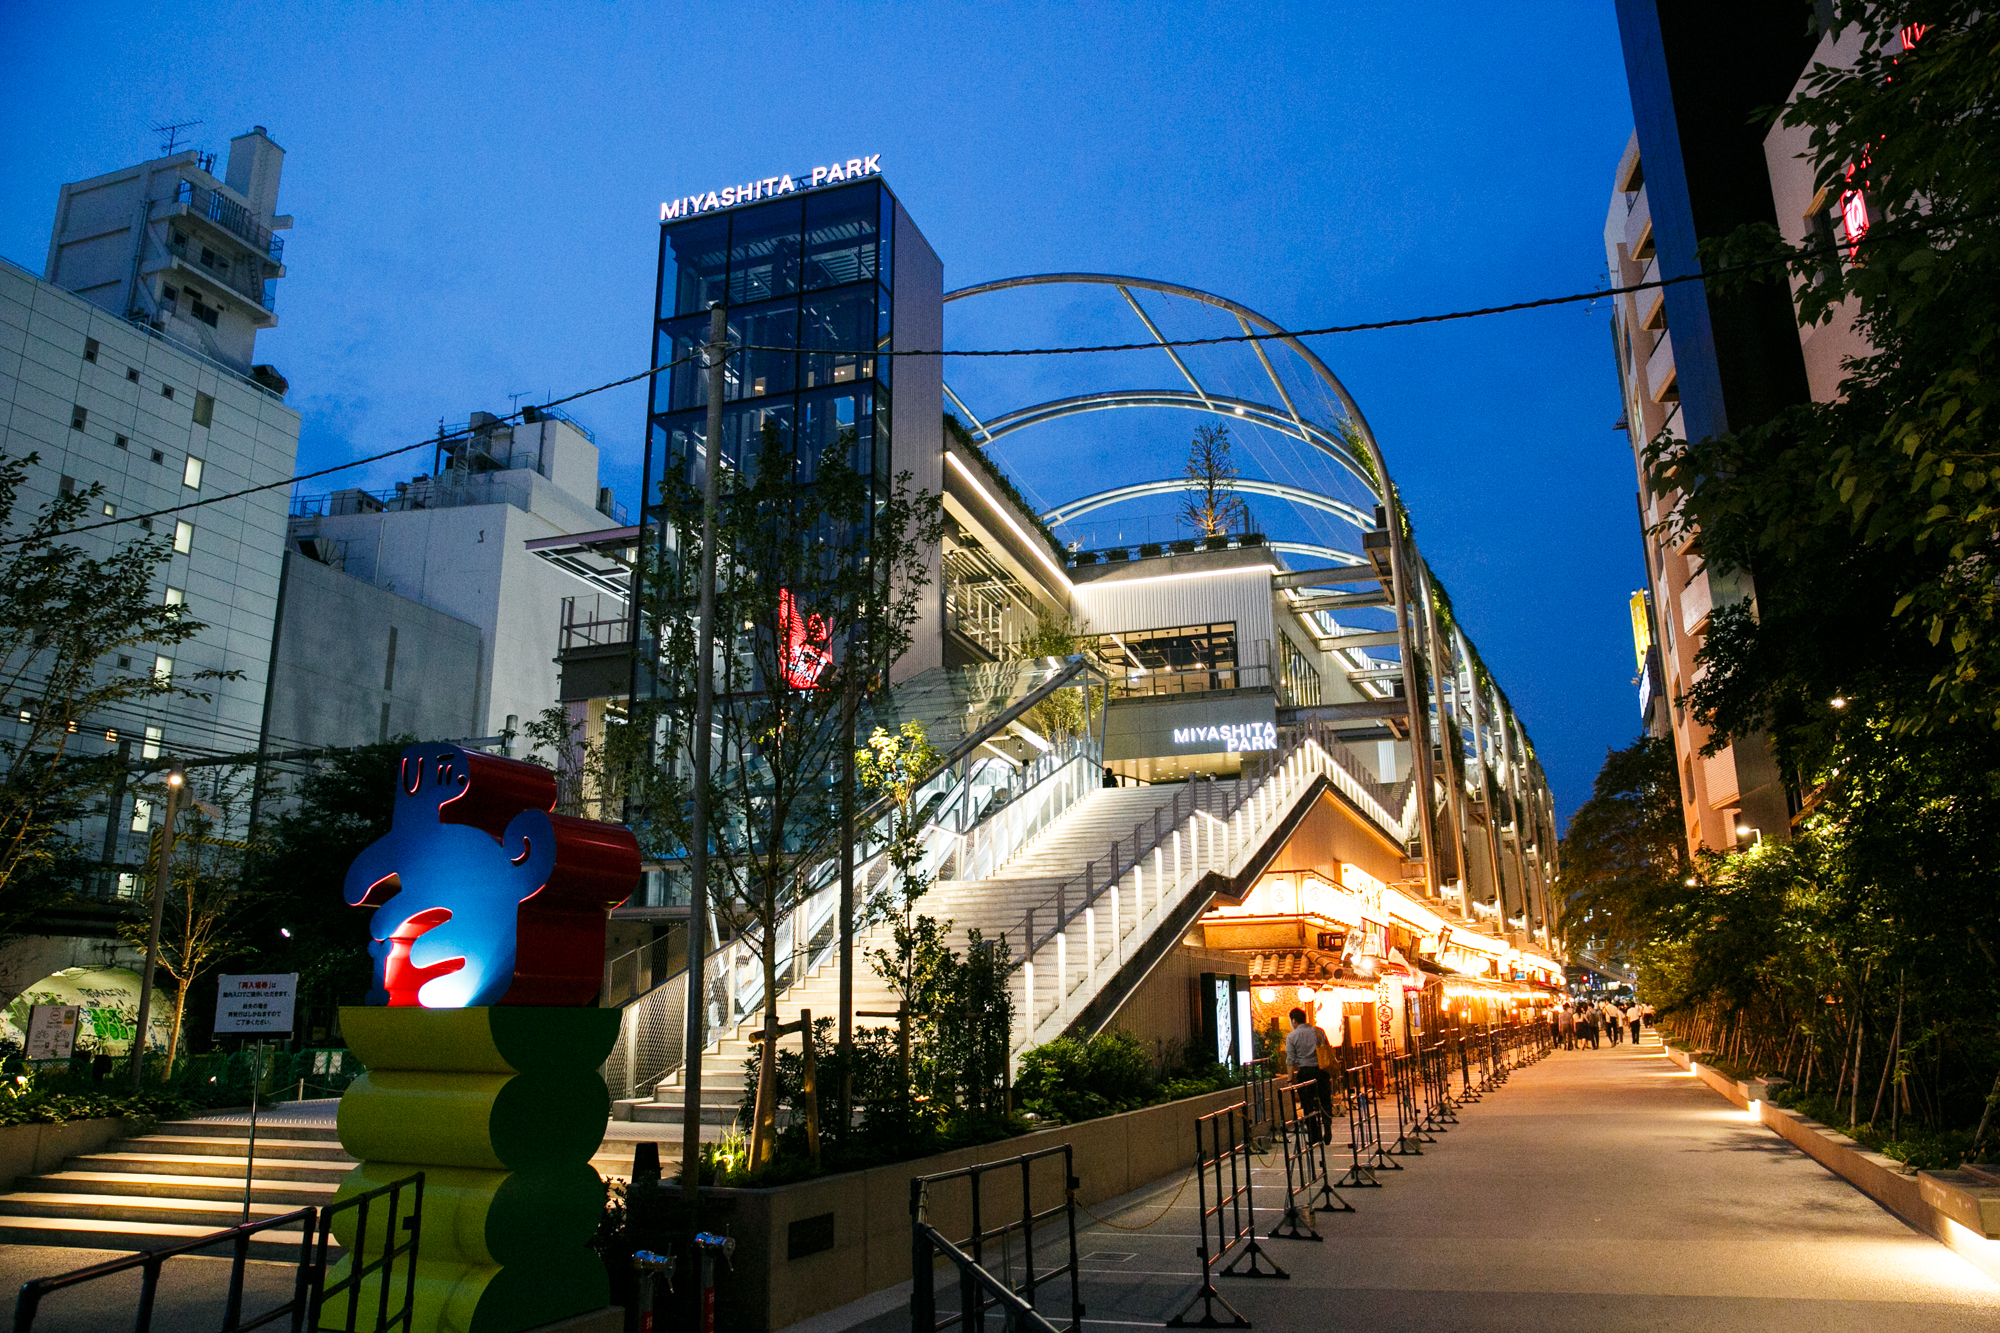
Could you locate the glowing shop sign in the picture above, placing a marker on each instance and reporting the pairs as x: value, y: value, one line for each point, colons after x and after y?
x: 854, y: 168
x: 803, y: 654
x: 1236, y: 737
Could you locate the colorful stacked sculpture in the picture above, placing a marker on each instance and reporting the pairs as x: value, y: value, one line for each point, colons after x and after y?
x: 481, y: 1040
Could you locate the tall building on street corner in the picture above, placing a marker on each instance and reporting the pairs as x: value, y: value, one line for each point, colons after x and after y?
x: 159, y: 401
x: 170, y: 245
x: 1693, y: 363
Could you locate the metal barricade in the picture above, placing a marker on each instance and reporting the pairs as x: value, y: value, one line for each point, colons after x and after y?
x: 310, y: 1294
x: 980, y: 1291
x: 1364, y: 1130
x: 1467, y: 1092
x: 1228, y: 1216
x: 1303, y: 1133
x: 1410, y: 1136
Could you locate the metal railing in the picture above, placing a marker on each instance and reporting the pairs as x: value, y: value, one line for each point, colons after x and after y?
x: 979, y: 1290
x: 1205, y: 829
x: 954, y: 807
x: 250, y: 286
x: 232, y: 217
x: 310, y: 1292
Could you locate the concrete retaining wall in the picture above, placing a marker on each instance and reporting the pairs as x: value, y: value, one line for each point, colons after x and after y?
x: 31, y: 1150
x: 868, y: 1212
x: 1954, y: 1207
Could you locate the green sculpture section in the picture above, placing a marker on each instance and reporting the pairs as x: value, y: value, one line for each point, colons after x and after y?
x: 501, y: 1109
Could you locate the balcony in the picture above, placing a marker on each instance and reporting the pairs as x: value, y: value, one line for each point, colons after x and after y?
x: 203, y: 262
x: 232, y: 217
x: 1697, y: 600
x: 1661, y: 380
x: 1638, y: 226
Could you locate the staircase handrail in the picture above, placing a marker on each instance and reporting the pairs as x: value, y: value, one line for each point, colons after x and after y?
x: 1057, y: 904
x: 879, y: 809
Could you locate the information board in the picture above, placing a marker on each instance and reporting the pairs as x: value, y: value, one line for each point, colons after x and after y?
x: 254, y: 1004
x: 52, y: 1031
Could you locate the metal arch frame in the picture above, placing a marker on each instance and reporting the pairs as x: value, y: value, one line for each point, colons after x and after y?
x: 1286, y: 422
x: 1276, y: 490
x: 1417, y: 623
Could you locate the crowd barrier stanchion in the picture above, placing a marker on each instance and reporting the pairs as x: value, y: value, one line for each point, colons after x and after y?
x: 1298, y: 1129
x: 1363, y: 1140
x: 1467, y: 1093
x: 1228, y: 1225
x: 1410, y: 1137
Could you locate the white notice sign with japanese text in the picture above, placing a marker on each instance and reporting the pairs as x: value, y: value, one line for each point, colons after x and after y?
x: 256, y: 1003
x: 51, y: 1031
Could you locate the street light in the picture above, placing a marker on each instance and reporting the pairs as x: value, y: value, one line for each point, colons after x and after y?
x: 1837, y: 702
x: 162, y: 881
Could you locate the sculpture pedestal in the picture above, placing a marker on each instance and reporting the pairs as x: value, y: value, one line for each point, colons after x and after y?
x: 501, y: 1108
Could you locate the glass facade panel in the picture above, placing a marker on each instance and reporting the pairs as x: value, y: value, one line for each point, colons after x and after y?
x: 839, y: 421
x: 686, y: 385
x: 757, y: 374
x: 746, y: 429
x: 764, y: 253
x: 843, y: 322
x: 840, y: 231
x: 699, y: 253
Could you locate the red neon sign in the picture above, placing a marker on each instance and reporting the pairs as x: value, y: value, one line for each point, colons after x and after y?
x: 803, y: 654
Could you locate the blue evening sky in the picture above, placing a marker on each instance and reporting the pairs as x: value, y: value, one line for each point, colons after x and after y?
x: 477, y: 191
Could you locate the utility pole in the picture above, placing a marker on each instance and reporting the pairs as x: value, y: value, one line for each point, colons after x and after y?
x: 163, y: 879
x: 704, y: 713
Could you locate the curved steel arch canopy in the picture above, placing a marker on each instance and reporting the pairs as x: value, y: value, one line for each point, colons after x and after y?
x: 1278, y: 490
x: 1279, y: 419
x: 1246, y: 317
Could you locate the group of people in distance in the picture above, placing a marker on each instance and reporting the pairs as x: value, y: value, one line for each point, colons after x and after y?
x: 1592, y: 1022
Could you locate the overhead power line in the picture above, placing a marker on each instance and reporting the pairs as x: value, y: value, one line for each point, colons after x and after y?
x: 1773, y: 261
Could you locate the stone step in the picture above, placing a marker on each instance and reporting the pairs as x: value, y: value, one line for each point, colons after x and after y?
x: 279, y: 1243
x: 670, y: 1112
x: 207, y: 1214
x: 184, y: 1164
x: 291, y: 1193
x: 267, y: 1130
x: 304, y: 1150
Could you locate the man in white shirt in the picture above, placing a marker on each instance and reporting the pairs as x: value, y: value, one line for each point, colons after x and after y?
x: 1302, y: 1047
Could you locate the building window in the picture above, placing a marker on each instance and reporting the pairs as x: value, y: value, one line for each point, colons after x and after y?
x: 204, y: 409
x: 159, y: 456
x: 191, y: 473
x: 128, y: 884
x: 168, y: 297
x: 142, y: 815
x: 1181, y: 660
x: 27, y: 711
x: 183, y: 537
x: 163, y: 669
x: 150, y: 747
x: 167, y: 391
x: 124, y: 662
x: 175, y: 597
x: 67, y: 485
x: 110, y: 510
x: 120, y: 441
x: 111, y: 735
x: 77, y: 416
x: 90, y: 350
x: 132, y: 374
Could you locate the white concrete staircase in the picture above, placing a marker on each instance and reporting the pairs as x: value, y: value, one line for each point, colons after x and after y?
x: 185, y: 1180
x: 995, y: 906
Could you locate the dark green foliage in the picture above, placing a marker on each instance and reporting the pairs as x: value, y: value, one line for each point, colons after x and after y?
x: 1625, y: 852
x: 1871, y: 656
x: 296, y: 875
x: 1070, y: 1080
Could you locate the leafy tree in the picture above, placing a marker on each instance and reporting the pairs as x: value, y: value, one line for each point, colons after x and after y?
x: 63, y: 613
x: 820, y: 578
x: 896, y: 766
x: 294, y: 880
x: 1213, y: 506
x: 201, y: 921
x: 1625, y: 851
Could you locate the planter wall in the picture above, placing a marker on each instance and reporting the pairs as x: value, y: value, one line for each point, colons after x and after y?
x: 32, y: 1150
x: 1955, y: 1207
x: 815, y: 1246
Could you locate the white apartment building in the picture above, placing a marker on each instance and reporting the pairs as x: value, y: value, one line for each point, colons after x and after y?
x: 113, y: 387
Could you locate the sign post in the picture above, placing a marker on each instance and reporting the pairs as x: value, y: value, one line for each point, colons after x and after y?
x: 52, y: 1031
x: 261, y: 1004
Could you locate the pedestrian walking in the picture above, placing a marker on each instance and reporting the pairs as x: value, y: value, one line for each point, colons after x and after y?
x: 1632, y: 1021
x: 1595, y: 1021
x: 1310, y: 1056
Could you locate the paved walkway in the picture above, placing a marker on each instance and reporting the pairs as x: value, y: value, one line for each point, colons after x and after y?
x: 1598, y: 1190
